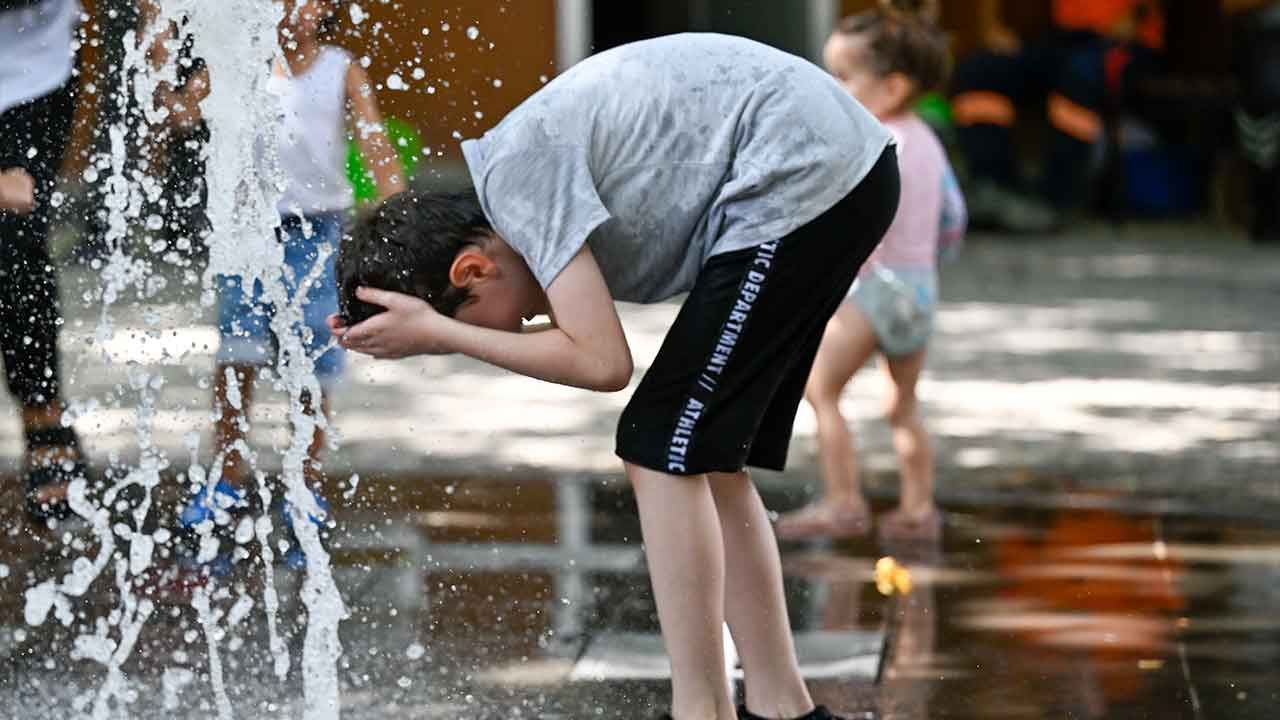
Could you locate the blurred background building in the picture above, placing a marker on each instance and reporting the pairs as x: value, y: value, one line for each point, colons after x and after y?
x: 450, y: 70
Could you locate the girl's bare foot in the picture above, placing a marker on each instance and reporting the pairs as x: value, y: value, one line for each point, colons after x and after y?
x: 924, y: 524
x: 826, y: 519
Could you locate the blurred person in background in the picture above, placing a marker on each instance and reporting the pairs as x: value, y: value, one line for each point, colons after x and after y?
x: 37, y: 102
x: 176, y: 147
x: 1256, y: 62
x: 1091, y: 60
x: 886, y: 58
x: 325, y: 99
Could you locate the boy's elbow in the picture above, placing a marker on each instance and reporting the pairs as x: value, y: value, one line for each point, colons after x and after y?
x: 615, y: 376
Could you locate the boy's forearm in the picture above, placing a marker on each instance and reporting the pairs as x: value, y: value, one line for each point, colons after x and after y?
x: 550, y: 355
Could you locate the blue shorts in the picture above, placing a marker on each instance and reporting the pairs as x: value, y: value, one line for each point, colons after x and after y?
x: 899, y: 304
x: 244, y: 319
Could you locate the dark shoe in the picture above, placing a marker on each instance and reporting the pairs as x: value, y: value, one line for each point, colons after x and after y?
x: 818, y: 713
x: 51, y: 472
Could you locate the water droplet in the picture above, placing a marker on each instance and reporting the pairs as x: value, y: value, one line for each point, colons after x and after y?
x: 497, y: 82
x: 473, y: 32
x: 357, y: 14
x: 444, y: 27
x: 419, y: 73
x: 395, y: 82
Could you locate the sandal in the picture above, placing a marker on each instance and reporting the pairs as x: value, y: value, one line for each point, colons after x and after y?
x: 822, y: 520
x: 898, y: 526
x: 50, y: 472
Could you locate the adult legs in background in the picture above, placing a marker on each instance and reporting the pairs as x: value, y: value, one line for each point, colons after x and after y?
x: 1075, y: 110
x: 233, y: 387
x: 1257, y: 64
x: 989, y: 87
x: 35, y: 137
x: 245, y: 322
x: 1096, y: 77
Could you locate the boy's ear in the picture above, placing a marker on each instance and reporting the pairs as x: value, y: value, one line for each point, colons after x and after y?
x: 471, y: 266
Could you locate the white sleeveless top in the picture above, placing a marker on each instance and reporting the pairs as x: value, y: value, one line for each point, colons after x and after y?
x: 36, y: 50
x: 312, y: 134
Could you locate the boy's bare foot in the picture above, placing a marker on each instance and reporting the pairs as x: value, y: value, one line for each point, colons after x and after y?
x: 918, y: 525
x: 825, y: 520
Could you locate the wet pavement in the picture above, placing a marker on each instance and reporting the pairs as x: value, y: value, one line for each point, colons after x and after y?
x: 1144, y: 359
x: 1105, y: 410
x: 493, y: 599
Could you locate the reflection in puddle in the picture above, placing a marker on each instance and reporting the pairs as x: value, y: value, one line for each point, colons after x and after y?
x: 477, y: 598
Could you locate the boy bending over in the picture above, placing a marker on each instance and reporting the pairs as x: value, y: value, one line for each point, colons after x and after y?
x: 704, y: 164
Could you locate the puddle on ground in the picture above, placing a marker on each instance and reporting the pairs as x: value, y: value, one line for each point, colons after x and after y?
x: 481, y: 598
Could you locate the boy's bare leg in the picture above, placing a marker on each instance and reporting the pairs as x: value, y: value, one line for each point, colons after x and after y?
x: 686, y: 566
x: 232, y: 420
x: 916, y: 515
x: 755, y: 605
x: 848, y: 342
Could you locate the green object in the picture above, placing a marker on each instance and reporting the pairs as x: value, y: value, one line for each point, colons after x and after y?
x: 934, y: 109
x: 408, y: 148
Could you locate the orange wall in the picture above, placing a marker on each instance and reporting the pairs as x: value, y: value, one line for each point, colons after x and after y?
x: 462, y: 71
x: 515, y: 46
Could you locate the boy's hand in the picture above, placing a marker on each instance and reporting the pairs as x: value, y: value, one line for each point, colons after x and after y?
x: 408, y: 327
x: 17, y: 191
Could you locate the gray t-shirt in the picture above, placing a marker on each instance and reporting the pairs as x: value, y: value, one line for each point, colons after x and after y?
x: 666, y: 152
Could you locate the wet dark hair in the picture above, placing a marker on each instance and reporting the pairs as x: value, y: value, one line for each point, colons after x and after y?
x: 407, y: 244
x: 903, y: 39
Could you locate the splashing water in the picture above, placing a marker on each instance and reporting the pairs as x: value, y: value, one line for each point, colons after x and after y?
x: 237, y: 40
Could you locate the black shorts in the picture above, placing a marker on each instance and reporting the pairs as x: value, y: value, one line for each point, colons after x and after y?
x: 723, y: 391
